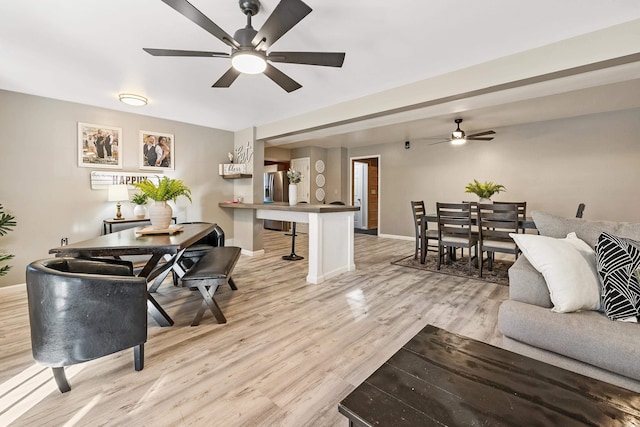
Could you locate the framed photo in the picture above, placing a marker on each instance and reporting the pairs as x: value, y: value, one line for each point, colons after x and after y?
x: 156, y: 150
x: 99, y: 146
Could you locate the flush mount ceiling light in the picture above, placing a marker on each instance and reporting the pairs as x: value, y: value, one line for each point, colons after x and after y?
x: 131, y: 99
x: 248, y: 62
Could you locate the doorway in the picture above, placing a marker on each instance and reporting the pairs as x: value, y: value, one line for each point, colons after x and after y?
x: 365, y: 193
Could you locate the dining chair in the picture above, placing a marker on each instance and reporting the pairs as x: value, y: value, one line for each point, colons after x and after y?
x: 422, y: 232
x: 522, y: 212
x: 580, y: 210
x: 495, y: 222
x: 455, y: 229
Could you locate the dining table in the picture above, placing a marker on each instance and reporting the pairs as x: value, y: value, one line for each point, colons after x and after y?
x: 168, y: 246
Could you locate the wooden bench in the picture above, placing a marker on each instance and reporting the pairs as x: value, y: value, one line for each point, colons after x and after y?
x: 208, y: 273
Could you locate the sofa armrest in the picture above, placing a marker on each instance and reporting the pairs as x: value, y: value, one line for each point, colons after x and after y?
x: 527, y: 285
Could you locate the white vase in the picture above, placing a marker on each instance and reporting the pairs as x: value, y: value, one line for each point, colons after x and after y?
x: 484, y: 201
x: 160, y: 215
x: 139, y: 211
x: 293, y: 194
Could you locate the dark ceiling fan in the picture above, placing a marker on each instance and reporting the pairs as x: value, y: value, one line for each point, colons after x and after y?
x: 458, y: 137
x: 249, y: 47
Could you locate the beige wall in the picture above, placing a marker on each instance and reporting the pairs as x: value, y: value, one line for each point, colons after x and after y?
x: 42, y: 185
x: 277, y: 154
x: 337, y: 175
x: 553, y: 165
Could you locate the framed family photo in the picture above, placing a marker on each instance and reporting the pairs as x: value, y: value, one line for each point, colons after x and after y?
x: 156, y: 150
x: 99, y: 146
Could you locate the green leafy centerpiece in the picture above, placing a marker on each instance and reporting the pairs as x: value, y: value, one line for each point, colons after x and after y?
x: 484, y: 190
x: 160, y: 212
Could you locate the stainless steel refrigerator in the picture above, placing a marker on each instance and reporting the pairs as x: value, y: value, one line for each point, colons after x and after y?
x: 276, y: 189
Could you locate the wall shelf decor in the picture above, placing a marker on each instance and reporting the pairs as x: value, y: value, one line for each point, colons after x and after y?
x: 237, y: 176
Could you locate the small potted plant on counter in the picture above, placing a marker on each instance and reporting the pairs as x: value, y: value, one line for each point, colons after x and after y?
x: 294, y: 178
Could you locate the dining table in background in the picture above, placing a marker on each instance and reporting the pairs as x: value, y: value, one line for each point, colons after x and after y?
x: 169, y: 247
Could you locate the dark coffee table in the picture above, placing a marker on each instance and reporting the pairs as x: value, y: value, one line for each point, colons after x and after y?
x: 443, y: 379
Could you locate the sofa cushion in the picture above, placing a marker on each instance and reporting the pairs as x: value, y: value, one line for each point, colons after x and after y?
x: 569, y: 268
x: 587, y: 336
x: 556, y: 226
x: 526, y: 284
x: 618, y: 259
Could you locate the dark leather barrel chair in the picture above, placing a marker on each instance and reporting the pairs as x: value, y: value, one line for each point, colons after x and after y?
x: 81, y: 309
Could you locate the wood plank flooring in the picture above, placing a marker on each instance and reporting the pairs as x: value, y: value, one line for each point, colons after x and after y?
x: 288, y: 354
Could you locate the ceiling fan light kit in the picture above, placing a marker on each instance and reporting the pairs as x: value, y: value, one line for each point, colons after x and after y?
x: 248, y: 62
x: 458, y: 134
x: 249, y: 47
x: 131, y: 99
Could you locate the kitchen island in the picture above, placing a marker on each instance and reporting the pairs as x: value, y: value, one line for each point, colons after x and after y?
x: 330, y: 233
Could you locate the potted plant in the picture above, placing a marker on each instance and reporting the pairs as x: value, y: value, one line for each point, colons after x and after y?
x: 484, y: 190
x: 160, y: 212
x: 139, y: 199
x: 6, y: 224
x: 294, y: 178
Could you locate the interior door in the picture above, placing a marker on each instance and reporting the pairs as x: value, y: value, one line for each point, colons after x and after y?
x: 365, y: 191
x: 304, y: 188
x: 360, y: 183
x: 372, y: 194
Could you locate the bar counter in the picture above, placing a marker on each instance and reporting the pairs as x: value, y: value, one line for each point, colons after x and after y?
x: 330, y: 233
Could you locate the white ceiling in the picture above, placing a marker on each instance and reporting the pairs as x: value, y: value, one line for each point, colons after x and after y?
x: 88, y: 51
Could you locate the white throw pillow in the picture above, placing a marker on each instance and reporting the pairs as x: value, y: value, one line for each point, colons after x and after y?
x: 569, y: 268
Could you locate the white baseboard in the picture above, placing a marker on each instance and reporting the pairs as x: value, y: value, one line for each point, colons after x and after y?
x: 397, y: 237
x: 252, y: 253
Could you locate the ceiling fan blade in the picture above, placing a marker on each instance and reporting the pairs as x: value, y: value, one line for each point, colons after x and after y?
x: 470, y: 138
x: 281, y: 79
x: 440, y: 142
x: 489, y: 132
x: 227, y: 78
x: 283, y: 18
x: 327, y: 59
x: 194, y: 53
x: 193, y: 14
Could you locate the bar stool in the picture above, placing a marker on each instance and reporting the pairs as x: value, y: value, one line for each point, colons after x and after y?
x: 292, y: 256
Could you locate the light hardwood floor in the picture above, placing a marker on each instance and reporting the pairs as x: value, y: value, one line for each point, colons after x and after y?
x: 288, y: 354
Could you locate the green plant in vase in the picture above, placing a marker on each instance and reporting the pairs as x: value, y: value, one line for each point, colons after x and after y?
x: 167, y: 189
x: 484, y: 190
x: 139, y: 199
x: 6, y: 224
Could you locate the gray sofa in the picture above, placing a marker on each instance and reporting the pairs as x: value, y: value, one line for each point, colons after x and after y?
x: 586, y: 342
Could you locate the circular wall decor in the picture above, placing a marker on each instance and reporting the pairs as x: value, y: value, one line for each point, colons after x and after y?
x: 320, y: 180
x: 319, y: 194
x: 319, y: 166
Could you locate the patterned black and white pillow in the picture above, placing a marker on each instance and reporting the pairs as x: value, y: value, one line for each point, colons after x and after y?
x: 617, y: 260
